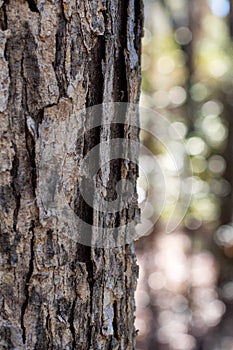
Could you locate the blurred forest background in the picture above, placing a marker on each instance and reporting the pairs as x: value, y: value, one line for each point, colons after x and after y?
x: 185, y: 289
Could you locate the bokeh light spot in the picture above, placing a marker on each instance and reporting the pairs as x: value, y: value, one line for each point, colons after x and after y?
x: 156, y: 281
x: 220, y: 8
x: 212, y: 107
x: 195, y: 145
x: 183, y: 35
x: 217, y: 68
x: 217, y: 164
x: 165, y: 65
x: 224, y: 235
x: 199, y: 92
x: 177, y: 95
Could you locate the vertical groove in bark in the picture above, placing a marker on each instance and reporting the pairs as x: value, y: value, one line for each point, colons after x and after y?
x: 94, y: 70
x: 28, y: 278
x: 32, y: 5
x: 16, y: 193
x: 120, y: 74
x: 59, y: 63
x: 56, y: 58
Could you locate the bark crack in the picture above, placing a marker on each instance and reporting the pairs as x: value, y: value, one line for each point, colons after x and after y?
x: 32, y: 5
x: 120, y: 72
x: 30, y: 145
x: 48, y: 329
x: 4, y: 19
x: 71, y: 322
x: 60, y: 56
x: 115, y: 320
x: 28, y: 278
x: 96, y: 78
x: 31, y: 133
x: 14, y: 185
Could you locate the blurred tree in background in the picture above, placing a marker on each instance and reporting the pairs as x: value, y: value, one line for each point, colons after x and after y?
x: 185, y: 289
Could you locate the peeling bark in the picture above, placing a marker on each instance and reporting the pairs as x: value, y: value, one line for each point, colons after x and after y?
x: 56, y: 58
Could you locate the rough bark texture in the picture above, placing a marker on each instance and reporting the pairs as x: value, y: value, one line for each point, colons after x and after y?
x: 57, y: 57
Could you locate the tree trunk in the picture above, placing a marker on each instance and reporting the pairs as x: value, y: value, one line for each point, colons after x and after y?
x: 58, y: 57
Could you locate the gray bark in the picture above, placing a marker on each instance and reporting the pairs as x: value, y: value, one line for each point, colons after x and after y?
x: 56, y: 58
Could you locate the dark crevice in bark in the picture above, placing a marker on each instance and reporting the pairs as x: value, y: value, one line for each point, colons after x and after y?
x: 81, y: 208
x: 139, y: 24
x: 71, y: 322
x: 117, y: 132
x: 49, y: 253
x: 3, y: 18
x: 38, y: 117
x: 120, y: 75
x: 115, y: 320
x: 28, y: 278
x: 83, y: 252
x: 92, y: 136
x: 30, y: 71
x: 49, y: 332
x: 50, y: 105
x: 32, y: 5
x: 30, y: 134
x: 138, y: 5
x: 59, y: 63
x: 91, y: 139
x: 31, y: 149
x: 14, y: 184
x: 94, y: 69
x: 63, y: 10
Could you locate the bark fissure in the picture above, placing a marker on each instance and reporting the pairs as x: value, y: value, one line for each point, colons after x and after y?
x: 31, y: 134
x: 30, y: 71
x: 91, y: 138
x: 94, y: 69
x: 115, y: 323
x: 120, y: 79
x: 32, y: 5
x: 3, y: 20
x: 30, y: 145
x: 71, y: 322
x: 48, y: 330
x: 138, y: 26
x: 14, y: 184
x: 27, y: 284
x: 60, y: 55
x: 38, y: 118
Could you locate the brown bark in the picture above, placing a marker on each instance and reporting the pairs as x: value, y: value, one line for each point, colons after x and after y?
x: 58, y: 57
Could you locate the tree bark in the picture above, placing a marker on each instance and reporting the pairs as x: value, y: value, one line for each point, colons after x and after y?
x: 58, y: 57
